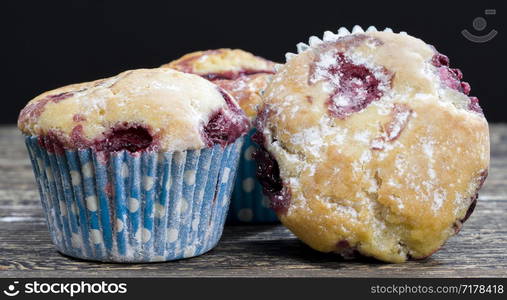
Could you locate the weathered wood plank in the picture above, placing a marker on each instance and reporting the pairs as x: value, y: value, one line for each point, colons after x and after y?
x: 26, y: 251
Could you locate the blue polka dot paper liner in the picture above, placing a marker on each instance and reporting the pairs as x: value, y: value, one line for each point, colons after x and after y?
x: 248, y: 203
x: 144, y: 207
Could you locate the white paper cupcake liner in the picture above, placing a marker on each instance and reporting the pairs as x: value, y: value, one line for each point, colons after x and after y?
x: 135, y: 207
x: 330, y: 36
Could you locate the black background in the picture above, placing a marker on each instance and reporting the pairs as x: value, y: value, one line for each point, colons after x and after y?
x: 47, y: 44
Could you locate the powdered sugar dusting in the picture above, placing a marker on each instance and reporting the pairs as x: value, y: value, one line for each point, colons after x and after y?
x: 401, y: 114
x: 439, y: 197
x: 311, y: 138
x: 427, y: 147
x: 325, y: 62
x: 362, y: 136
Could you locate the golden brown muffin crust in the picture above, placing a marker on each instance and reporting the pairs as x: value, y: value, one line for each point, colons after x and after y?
x: 174, y: 106
x: 392, y: 179
x: 241, y: 73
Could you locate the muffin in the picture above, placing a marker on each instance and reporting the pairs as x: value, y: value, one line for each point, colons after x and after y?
x: 137, y: 167
x: 244, y: 76
x: 371, y: 145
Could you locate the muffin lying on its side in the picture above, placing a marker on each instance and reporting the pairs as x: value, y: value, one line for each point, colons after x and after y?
x: 371, y: 144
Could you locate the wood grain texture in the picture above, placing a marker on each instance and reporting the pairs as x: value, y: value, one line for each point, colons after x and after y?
x: 480, y: 250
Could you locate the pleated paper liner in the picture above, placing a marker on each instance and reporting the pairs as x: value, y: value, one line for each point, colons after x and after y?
x: 143, y: 207
x: 330, y: 36
x: 248, y: 204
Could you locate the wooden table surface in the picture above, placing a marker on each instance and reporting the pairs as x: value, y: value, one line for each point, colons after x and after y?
x: 480, y: 249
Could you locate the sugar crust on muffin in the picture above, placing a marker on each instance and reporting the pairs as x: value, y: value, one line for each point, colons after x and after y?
x: 136, y: 110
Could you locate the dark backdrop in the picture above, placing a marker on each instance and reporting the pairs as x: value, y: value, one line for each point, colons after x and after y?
x: 46, y: 44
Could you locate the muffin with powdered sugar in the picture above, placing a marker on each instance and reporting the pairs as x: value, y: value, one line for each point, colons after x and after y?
x: 371, y: 144
x: 137, y: 167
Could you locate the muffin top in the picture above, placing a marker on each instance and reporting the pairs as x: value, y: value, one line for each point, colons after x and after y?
x: 145, y: 109
x: 371, y: 143
x: 241, y: 73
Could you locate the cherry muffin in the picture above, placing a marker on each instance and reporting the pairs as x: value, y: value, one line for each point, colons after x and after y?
x: 244, y: 76
x: 137, y: 167
x: 372, y: 145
